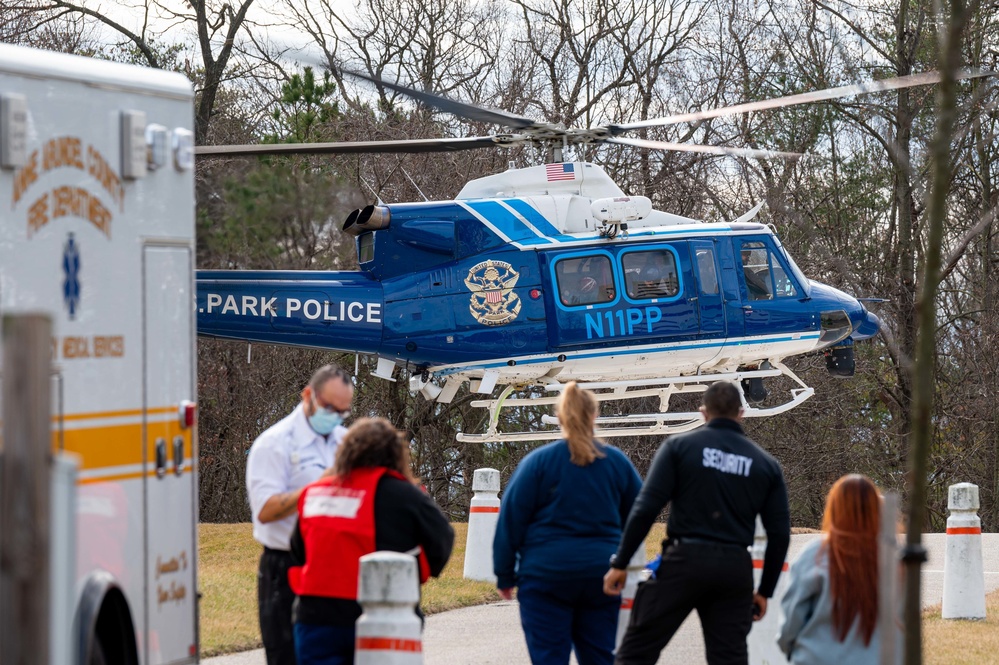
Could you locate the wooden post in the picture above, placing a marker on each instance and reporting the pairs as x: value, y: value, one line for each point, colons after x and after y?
x: 888, y: 572
x: 24, y: 490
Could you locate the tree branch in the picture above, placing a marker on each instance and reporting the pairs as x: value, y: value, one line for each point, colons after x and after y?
x: 139, y: 42
x: 955, y: 255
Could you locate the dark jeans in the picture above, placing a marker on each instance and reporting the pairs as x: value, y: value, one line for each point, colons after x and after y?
x: 714, y: 579
x: 561, y: 615
x: 274, y: 601
x: 324, y: 645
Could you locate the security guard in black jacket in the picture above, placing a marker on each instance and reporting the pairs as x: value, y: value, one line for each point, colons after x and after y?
x: 718, y: 480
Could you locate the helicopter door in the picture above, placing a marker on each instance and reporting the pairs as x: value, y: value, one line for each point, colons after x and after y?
x: 710, y: 304
x: 769, y: 293
x: 585, y: 290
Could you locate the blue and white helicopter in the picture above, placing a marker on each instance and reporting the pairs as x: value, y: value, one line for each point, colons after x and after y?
x: 538, y: 276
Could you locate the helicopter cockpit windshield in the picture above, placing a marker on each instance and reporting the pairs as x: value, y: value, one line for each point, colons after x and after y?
x: 764, y: 272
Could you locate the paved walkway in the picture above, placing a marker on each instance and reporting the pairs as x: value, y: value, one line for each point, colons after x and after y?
x: 498, y: 639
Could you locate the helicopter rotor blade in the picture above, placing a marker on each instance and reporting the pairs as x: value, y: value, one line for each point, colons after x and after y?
x: 925, y: 78
x: 708, y: 149
x: 460, y: 109
x: 348, y: 147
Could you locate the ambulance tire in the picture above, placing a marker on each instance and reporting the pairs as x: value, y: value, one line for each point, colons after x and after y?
x: 104, y: 620
x: 97, y: 654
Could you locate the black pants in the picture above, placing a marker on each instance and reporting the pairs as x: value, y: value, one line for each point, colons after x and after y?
x: 274, y: 600
x: 714, y: 579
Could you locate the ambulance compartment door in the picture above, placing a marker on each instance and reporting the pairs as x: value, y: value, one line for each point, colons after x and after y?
x: 170, y: 489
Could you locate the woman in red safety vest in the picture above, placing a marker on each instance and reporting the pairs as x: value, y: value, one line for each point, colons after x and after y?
x: 369, y: 502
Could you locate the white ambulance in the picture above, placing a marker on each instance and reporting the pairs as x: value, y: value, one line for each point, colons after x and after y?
x: 97, y: 230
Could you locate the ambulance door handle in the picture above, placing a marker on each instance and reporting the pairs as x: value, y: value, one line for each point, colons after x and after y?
x: 161, y: 457
x: 178, y: 455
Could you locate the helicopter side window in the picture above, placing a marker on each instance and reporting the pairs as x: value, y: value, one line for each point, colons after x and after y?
x: 650, y: 275
x: 586, y: 280
x: 756, y: 270
x: 706, y: 271
x: 365, y: 247
x: 766, y: 277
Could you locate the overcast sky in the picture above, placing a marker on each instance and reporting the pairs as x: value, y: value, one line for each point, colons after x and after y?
x: 265, y: 24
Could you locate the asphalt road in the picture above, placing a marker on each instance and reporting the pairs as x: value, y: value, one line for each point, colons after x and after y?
x: 491, y: 635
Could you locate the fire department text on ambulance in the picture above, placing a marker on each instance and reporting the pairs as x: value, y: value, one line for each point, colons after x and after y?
x: 355, y: 311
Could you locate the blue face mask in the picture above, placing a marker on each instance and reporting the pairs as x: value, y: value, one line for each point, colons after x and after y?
x: 324, y: 420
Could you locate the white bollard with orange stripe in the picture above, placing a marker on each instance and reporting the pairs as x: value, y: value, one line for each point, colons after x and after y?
x: 483, y: 515
x: 964, y: 574
x: 388, y: 632
x: 635, y: 568
x: 762, y: 641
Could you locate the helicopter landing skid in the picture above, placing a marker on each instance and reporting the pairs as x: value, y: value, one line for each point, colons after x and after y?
x: 662, y: 423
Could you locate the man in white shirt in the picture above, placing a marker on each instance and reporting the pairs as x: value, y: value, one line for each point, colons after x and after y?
x: 288, y: 456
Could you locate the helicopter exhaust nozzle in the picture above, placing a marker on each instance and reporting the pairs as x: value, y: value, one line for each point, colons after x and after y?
x: 351, y: 221
x: 368, y: 218
x: 371, y: 218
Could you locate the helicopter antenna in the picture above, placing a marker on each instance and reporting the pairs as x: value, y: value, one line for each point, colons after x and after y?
x: 414, y: 184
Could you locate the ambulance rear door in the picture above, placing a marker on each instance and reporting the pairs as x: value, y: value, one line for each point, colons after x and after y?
x: 170, y: 488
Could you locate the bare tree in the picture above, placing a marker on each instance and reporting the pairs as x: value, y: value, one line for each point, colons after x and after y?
x: 446, y: 46
x: 31, y: 24
x: 216, y: 27
x: 924, y: 373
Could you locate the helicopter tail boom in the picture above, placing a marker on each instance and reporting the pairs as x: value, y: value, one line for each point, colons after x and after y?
x: 331, y: 310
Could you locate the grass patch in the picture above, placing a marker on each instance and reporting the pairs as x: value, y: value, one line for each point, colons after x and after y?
x: 654, y: 541
x: 227, y: 576
x: 957, y: 642
x: 451, y: 591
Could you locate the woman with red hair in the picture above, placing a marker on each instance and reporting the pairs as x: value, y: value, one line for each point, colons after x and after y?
x: 830, y: 609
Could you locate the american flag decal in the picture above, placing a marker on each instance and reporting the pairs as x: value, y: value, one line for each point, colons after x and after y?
x: 560, y: 172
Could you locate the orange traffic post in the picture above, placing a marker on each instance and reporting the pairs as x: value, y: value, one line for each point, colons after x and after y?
x: 483, y: 516
x: 762, y: 641
x: 964, y: 572
x: 631, y: 582
x: 388, y: 631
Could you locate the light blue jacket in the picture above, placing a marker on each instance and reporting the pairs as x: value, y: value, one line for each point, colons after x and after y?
x: 806, y: 628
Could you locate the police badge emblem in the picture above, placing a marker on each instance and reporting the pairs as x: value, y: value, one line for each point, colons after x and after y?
x: 493, y: 301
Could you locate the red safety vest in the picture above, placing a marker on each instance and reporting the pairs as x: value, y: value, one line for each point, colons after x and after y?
x: 337, y: 519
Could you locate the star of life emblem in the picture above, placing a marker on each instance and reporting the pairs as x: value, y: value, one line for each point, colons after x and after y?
x: 71, y: 272
x: 494, y: 302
